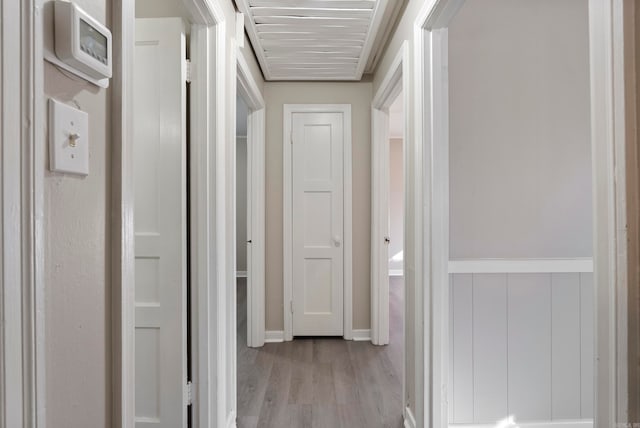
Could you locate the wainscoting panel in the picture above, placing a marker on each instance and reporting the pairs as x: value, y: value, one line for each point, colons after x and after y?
x: 529, y: 346
x: 489, y: 341
x: 521, y: 345
x: 565, y: 346
x: 587, y: 323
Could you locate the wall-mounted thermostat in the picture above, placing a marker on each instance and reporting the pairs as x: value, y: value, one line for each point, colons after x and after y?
x: 80, y: 45
x: 81, y: 41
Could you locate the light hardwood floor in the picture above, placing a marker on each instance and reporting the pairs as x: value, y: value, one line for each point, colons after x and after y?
x: 321, y: 382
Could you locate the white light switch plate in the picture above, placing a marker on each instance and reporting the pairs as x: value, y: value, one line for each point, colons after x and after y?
x: 68, y: 139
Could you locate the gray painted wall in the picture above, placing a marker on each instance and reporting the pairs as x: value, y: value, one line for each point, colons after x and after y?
x: 241, y: 204
x: 520, y: 130
x: 241, y: 185
x: 359, y: 96
x: 77, y: 263
x: 396, y: 202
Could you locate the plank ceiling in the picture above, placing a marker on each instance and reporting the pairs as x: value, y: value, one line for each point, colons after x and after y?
x: 317, y: 39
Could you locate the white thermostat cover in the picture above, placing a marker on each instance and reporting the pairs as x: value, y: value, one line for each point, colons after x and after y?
x: 81, y: 41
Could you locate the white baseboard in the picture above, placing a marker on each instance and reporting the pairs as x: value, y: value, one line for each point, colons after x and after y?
x: 231, y: 420
x: 241, y: 274
x: 273, y: 336
x: 362, y: 335
x: 409, y: 419
x: 396, y: 272
x: 550, y: 424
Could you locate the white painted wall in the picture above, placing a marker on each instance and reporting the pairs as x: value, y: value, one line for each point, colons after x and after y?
x: 520, y: 153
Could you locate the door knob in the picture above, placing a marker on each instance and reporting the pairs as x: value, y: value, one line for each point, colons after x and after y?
x: 387, y: 240
x: 337, y: 241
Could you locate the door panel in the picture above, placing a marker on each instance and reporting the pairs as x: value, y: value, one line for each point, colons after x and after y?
x: 160, y: 223
x: 318, y: 229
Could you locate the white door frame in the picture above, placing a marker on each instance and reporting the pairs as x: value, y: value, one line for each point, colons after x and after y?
x: 394, y: 81
x: 248, y: 90
x: 22, y: 157
x: 287, y: 212
x: 208, y: 54
x: 610, y: 263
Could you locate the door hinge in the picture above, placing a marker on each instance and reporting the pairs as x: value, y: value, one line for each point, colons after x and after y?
x: 291, y: 305
x: 188, y: 70
x: 189, y: 393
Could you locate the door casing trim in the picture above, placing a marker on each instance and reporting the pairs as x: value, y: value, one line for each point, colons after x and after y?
x: 393, y: 83
x: 248, y: 89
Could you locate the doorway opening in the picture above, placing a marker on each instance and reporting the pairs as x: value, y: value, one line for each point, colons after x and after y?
x: 161, y: 216
x: 391, y: 289
x: 164, y: 282
x: 396, y: 231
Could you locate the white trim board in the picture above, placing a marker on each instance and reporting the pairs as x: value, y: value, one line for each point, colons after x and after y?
x: 274, y: 336
x: 22, y: 162
x: 551, y: 424
x: 608, y: 157
x: 231, y: 420
x: 409, y: 419
x: 394, y: 81
x: 288, y: 111
x: 521, y: 265
x: 362, y: 335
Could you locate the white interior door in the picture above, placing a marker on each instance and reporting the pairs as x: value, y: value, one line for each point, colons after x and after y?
x: 160, y: 223
x: 318, y: 224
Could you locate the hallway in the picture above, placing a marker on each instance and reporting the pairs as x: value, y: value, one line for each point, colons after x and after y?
x: 325, y: 382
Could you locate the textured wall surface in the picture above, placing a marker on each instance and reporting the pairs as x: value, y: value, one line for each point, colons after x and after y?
x: 77, y: 264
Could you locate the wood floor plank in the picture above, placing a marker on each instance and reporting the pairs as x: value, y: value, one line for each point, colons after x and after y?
x: 321, y: 382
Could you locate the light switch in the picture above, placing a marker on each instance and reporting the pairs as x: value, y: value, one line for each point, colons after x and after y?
x: 68, y: 139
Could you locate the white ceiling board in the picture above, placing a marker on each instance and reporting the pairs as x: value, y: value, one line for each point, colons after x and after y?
x: 309, y: 12
x: 329, y: 4
x: 314, y: 39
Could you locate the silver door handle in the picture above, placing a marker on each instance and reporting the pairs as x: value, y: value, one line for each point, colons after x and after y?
x: 337, y: 241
